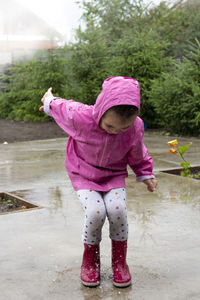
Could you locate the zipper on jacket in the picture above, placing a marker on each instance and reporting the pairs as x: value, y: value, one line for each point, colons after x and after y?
x: 104, y: 149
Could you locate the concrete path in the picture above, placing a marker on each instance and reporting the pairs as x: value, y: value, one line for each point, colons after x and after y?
x: 41, y: 250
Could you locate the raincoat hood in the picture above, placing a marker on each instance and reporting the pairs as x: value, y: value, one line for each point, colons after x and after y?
x: 116, y: 91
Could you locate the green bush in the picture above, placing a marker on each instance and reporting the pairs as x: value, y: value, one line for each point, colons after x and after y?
x: 87, y: 65
x: 176, y: 95
x: 24, y: 84
x: 140, y: 55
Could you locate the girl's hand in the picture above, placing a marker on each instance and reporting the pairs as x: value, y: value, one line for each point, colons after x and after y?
x: 46, y: 95
x: 151, y: 184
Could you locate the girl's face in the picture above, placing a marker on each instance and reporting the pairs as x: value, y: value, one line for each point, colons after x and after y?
x: 113, y: 124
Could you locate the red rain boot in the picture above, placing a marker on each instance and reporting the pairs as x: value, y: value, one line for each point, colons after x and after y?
x: 90, y: 269
x: 121, y: 274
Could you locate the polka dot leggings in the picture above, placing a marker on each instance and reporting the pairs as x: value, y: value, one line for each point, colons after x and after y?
x: 97, y: 206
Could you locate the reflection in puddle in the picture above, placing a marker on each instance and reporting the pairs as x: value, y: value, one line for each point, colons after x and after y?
x: 145, y: 219
x: 182, y: 191
x: 56, y: 197
x: 173, y: 196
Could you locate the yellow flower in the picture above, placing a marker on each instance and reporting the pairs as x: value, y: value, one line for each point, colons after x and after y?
x: 173, y: 151
x: 173, y: 143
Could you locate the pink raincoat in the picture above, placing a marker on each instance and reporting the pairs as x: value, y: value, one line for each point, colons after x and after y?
x: 95, y: 159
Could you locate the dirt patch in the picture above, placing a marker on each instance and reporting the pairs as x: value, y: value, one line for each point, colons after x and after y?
x: 8, y: 205
x: 11, y: 203
x: 195, y: 172
x: 19, y: 131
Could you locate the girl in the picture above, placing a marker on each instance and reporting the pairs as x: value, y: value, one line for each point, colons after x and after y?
x: 103, y: 139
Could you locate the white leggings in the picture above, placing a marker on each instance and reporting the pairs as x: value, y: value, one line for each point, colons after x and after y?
x: 97, y: 206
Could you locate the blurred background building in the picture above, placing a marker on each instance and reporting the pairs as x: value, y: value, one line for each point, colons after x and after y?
x: 22, y: 33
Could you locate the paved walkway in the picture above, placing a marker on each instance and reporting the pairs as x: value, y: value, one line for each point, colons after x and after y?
x: 40, y: 250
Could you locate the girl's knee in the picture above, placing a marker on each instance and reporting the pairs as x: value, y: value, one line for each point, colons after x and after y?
x: 96, y: 215
x: 117, y: 213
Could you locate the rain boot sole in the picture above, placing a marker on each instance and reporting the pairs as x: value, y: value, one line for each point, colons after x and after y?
x: 90, y: 284
x: 121, y: 285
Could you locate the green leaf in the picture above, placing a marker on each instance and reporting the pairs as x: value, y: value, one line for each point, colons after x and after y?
x: 183, y: 149
x: 185, y: 165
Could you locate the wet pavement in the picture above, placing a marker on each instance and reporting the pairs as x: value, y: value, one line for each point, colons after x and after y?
x: 40, y: 250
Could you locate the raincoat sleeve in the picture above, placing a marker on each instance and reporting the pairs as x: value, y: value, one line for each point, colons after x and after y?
x: 139, y: 160
x: 62, y: 112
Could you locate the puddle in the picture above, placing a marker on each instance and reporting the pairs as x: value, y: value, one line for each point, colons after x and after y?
x: 164, y: 239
